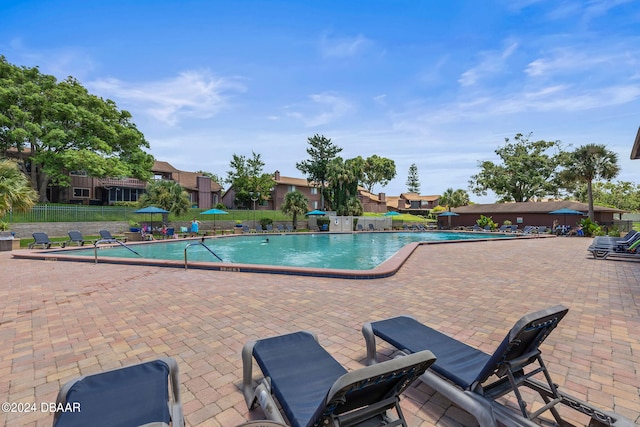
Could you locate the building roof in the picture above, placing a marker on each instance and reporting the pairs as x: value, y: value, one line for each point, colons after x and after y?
x: 419, y: 197
x: 165, y: 167
x: 529, y: 207
x: 188, y: 180
x: 299, y: 182
x: 635, y: 151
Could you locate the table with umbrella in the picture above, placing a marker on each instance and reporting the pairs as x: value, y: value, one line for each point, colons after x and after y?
x: 214, y: 212
x: 448, y: 214
x: 316, y: 213
x: 564, y: 212
x: 151, y: 210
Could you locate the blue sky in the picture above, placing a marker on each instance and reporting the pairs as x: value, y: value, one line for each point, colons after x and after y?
x: 438, y: 84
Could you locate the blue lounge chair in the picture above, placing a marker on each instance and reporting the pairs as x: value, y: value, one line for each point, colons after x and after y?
x: 42, y: 239
x: 462, y: 373
x: 106, y: 235
x: 143, y: 394
x: 76, y: 237
x: 313, y: 389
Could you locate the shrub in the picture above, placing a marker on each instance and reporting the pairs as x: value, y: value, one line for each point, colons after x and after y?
x: 265, y: 221
x: 590, y: 228
x: 483, y: 221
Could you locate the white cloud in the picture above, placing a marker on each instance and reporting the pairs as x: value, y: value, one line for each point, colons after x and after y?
x: 196, y: 94
x: 323, y: 109
x: 343, y: 47
x: 491, y: 63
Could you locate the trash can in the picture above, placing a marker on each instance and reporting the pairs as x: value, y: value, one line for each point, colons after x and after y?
x: 6, y: 241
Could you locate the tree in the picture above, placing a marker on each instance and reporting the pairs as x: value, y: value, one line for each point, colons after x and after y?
x: 589, y: 163
x: 321, y: 151
x: 413, y: 181
x: 295, y: 203
x: 377, y: 170
x: 166, y: 194
x: 15, y: 189
x: 528, y: 170
x: 620, y: 195
x: 343, y: 178
x: 57, y: 128
x: 454, y: 198
x: 247, y: 179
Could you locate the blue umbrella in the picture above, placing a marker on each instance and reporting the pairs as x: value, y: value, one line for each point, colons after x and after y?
x: 564, y: 212
x: 214, y: 212
x: 316, y: 212
x: 449, y: 214
x: 152, y: 210
x: 392, y: 213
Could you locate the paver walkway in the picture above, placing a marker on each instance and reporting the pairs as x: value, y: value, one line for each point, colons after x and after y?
x: 61, y: 319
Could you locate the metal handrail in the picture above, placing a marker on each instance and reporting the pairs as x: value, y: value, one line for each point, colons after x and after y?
x: 95, y: 247
x: 201, y: 243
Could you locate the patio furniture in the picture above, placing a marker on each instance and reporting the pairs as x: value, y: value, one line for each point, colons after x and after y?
x: 313, y: 389
x: 474, y: 380
x: 77, y: 238
x: 42, y: 239
x: 106, y: 235
x: 143, y: 394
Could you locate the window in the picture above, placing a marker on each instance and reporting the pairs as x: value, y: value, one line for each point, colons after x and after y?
x: 82, y: 193
x: 78, y: 173
x: 291, y: 188
x: 314, y: 190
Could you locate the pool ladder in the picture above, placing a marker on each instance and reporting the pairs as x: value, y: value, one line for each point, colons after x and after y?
x: 95, y: 247
x: 201, y: 243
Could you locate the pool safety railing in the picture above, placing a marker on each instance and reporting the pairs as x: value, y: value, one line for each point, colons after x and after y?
x: 112, y: 241
x: 201, y: 243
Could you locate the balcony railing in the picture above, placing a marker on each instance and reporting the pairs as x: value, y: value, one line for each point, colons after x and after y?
x: 124, y: 182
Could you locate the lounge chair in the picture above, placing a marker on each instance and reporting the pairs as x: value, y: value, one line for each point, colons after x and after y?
x: 75, y: 237
x: 106, y: 235
x: 313, y: 389
x: 142, y: 394
x: 269, y: 228
x: 603, y: 249
x: 372, y: 227
x: 289, y: 228
x: 259, y: 228
x: 280, y: 228
x: 463, y: 373
x: 41, y: 239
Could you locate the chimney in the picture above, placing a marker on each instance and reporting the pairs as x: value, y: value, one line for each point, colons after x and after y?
x: 382, y: 197
x: 276, y: 176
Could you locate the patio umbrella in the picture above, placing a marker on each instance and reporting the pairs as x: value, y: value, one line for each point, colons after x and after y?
x: 152, y: 210
x: 566, y: 211
x: 392, y: 213
x: 316, y: 213
x: 214, y: 212
x: 449, y: 214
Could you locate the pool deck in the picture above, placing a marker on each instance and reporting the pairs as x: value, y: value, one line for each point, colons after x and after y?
x: 64, y: 319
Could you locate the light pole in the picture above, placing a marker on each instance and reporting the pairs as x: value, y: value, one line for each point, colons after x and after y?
x: 254, y: 198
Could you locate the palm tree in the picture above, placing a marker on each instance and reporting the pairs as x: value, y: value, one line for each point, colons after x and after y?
x: 453, y: 199
x: 15, y: 189
x: 168, y: 195
x: 295, y: 203
x: 588, y: 163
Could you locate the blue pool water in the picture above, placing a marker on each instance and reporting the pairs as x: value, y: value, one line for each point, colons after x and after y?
x: 357, y: 251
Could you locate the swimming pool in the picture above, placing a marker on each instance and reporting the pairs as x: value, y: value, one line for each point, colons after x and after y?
x: 356, y: 255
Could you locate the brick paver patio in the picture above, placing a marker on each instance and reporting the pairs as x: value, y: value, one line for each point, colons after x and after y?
x: 62, y: 319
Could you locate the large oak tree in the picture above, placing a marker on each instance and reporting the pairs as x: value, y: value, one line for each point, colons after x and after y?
x: 528, y: 170
x: 59, y: 127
